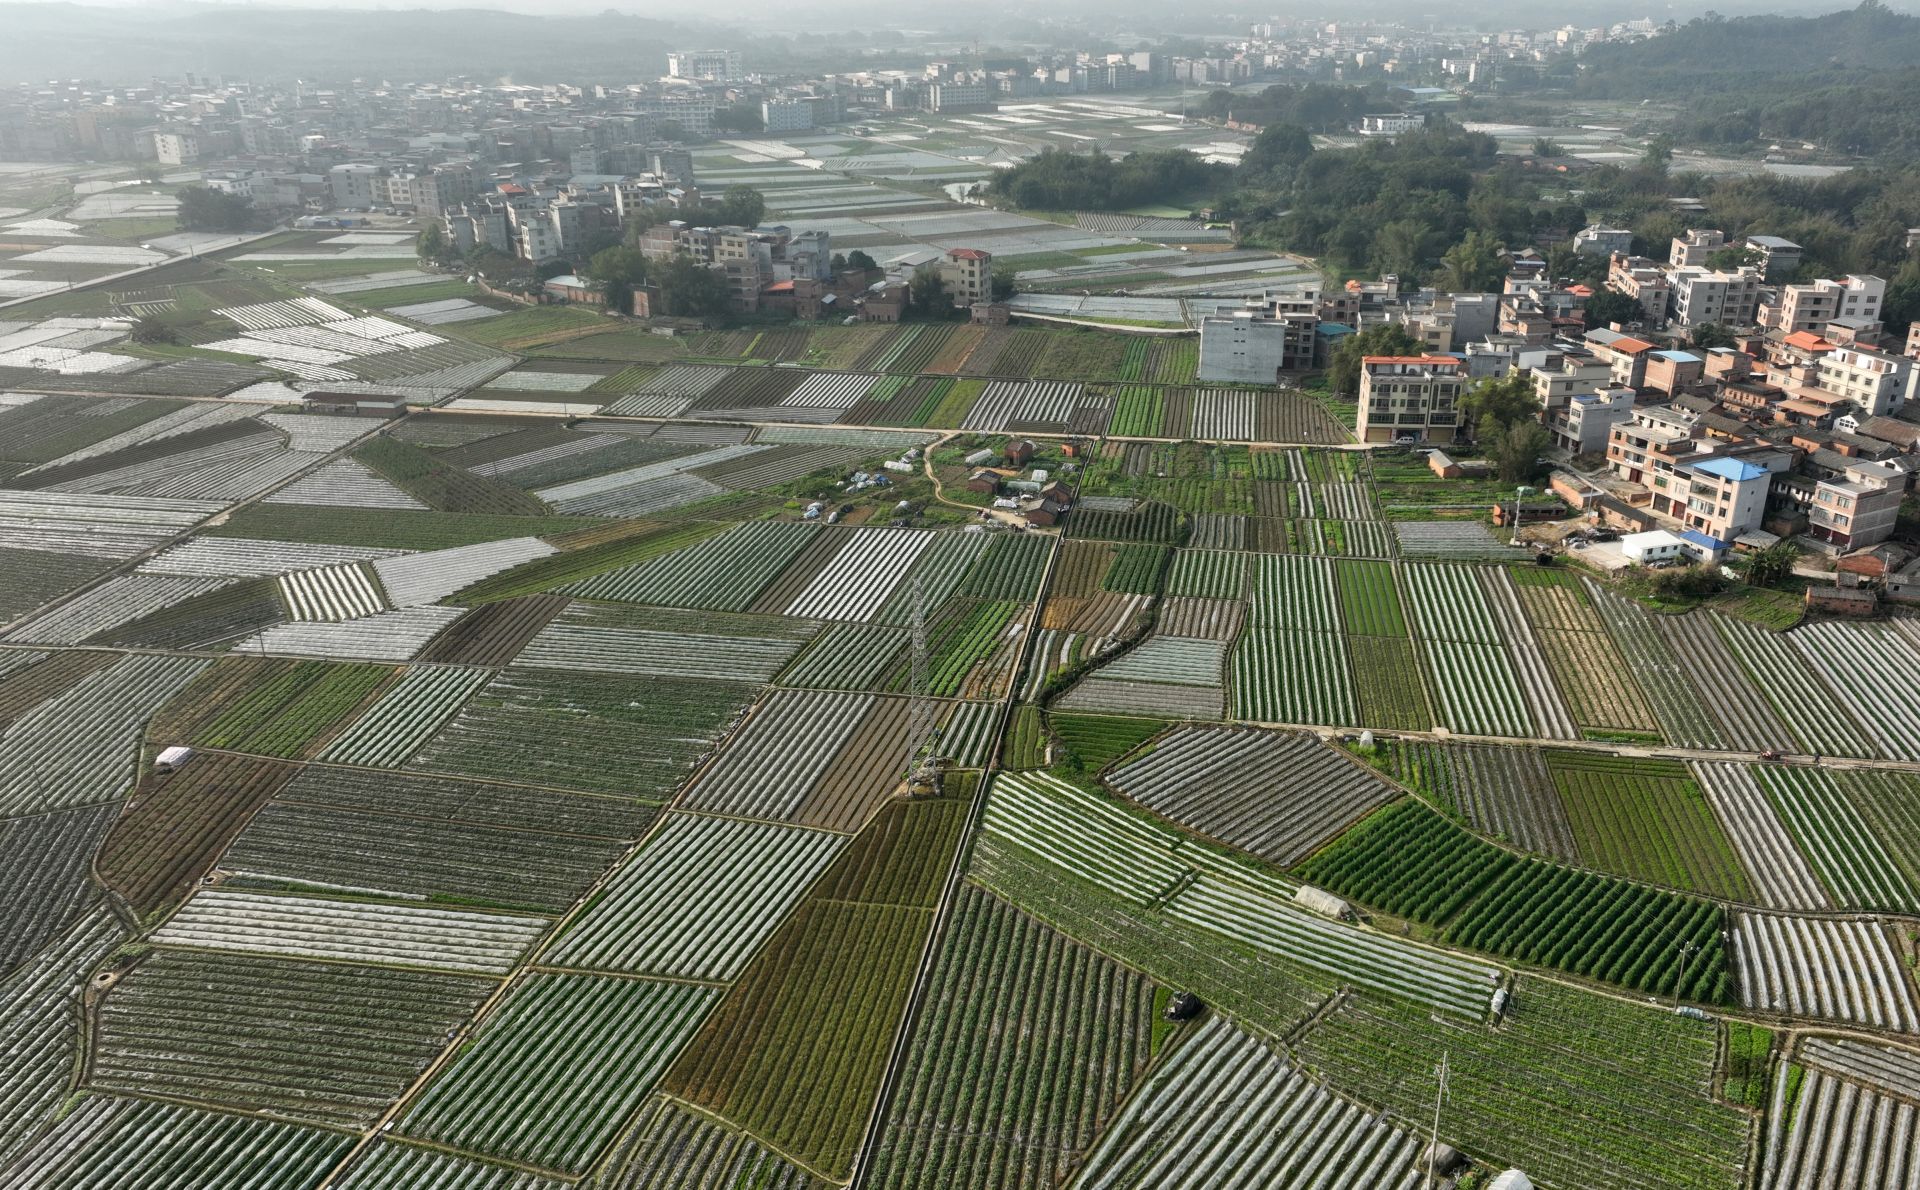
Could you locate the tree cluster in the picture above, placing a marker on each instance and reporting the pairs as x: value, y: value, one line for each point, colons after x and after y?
x: 1058, y: 180
x: 206, y: 209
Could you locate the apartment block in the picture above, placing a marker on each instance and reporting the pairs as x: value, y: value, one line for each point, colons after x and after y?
x: 1410, y: 398
x: 1702, y: 295
x: 708, y: 66
x: 1779, y: 258
x: 1603, y: 241
x: 786, y: 115
x: 1876, y: 382
x: 1811, y: 306
x: 1585, y: 422
x: 1644, y: 281
x: 1254, y: 343
x: 1691, y: 249
x: 1859, y: 509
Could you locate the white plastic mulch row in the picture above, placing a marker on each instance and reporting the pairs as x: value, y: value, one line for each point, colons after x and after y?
x: 197, y: 416
x: 246, y: 557
x: 293, y: 312
x: 344, y: 483
x: 564, y: 496
x: 1840, y: 970
x: 444, y: 312
x: 334, y: 593
x: 699, y: 900
x: 313, y: 433
x: 415, y: 579
x: 115, y: 603
x: 550, y: 382
x: 861, y: 575
x: 94, y: 526
x: 311, y: 927
x: 389, y: 636
x: 831, y: 390
x: 579, y: 444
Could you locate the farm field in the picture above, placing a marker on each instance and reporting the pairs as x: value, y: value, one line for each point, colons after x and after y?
x: 543, y: 822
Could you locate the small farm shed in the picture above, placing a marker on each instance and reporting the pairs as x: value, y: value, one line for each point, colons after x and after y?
x: 1657, y: 545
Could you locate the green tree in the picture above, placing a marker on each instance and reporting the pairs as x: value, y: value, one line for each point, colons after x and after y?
x: 690, y: 289
x: 927, y: 294
x: 1475, y: 265
x: 1570, y: 266
x: 204, y: 209
x: 1774, y: 565
x: 1279, y: 149
x: 1343, y: 369
x: 618, y: 271
x: 1709, y: 335
x: 151, y: 330
x: 1005, y: 285
x: 1729, y: 259
x: 857, y: 259
x: 742, y: 206
x: 1658, y: 154
x: 433, y: 244
x: 1498, y: 402
x: 1516, y: 449
x: 1609, y: 306
x: 1547, y: 147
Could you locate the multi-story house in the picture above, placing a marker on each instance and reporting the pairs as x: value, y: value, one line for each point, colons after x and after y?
x: 1702, y: 295
x: 1858, y: 510
x: 1254, y: 343
x: 1692, y: 249
x: 1410, y: 398
x: 1603, y: 241
x: 968, y: 276
x: 1644, y: 281
x: 1584, y: 422
x: 1877, y: 383
x: 1778, y: 257
x: 1811, y: 306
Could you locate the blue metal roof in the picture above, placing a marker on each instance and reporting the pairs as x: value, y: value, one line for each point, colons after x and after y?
x: 1737, y: 470
x: 1701, y: 539
x: 1679, y: 357
x: 1335, y: 329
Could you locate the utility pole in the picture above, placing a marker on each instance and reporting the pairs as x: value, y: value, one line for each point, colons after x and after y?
x: 1686, y: 952
x: 1439, y: 1096
x: 920, y: 712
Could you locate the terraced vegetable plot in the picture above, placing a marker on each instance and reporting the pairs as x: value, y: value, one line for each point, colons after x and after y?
x: 1779, y: 874
x: 1595, y: 680
x: 825, y: 994
x: 1645, y: 819
x: 1820, y: 724
x: 404, y: 717
x: 46, y: 884
x: 676, y: 1148
x: 1838, y: 1132
x: 557, y: 1071
x: 40, y: 1024
x: 1854, y: 859
x: 351, y: 931
x: 721, y: 573
x: 603, y: 733
x: 698, y: 900
x: 1413, y: 863
x: 395, y: 1165
x: 324, y: 847
x: 1064, y: 1031
x: 1275, y: 794
x: 1840, y: 970
x: 145, y: 1143
x: 283, y: 708
x: 1225, y: 1108
x: 1502, y: 791
x: 177, y: 826
x: 1523, y: 1094
x: 323, y: 1043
